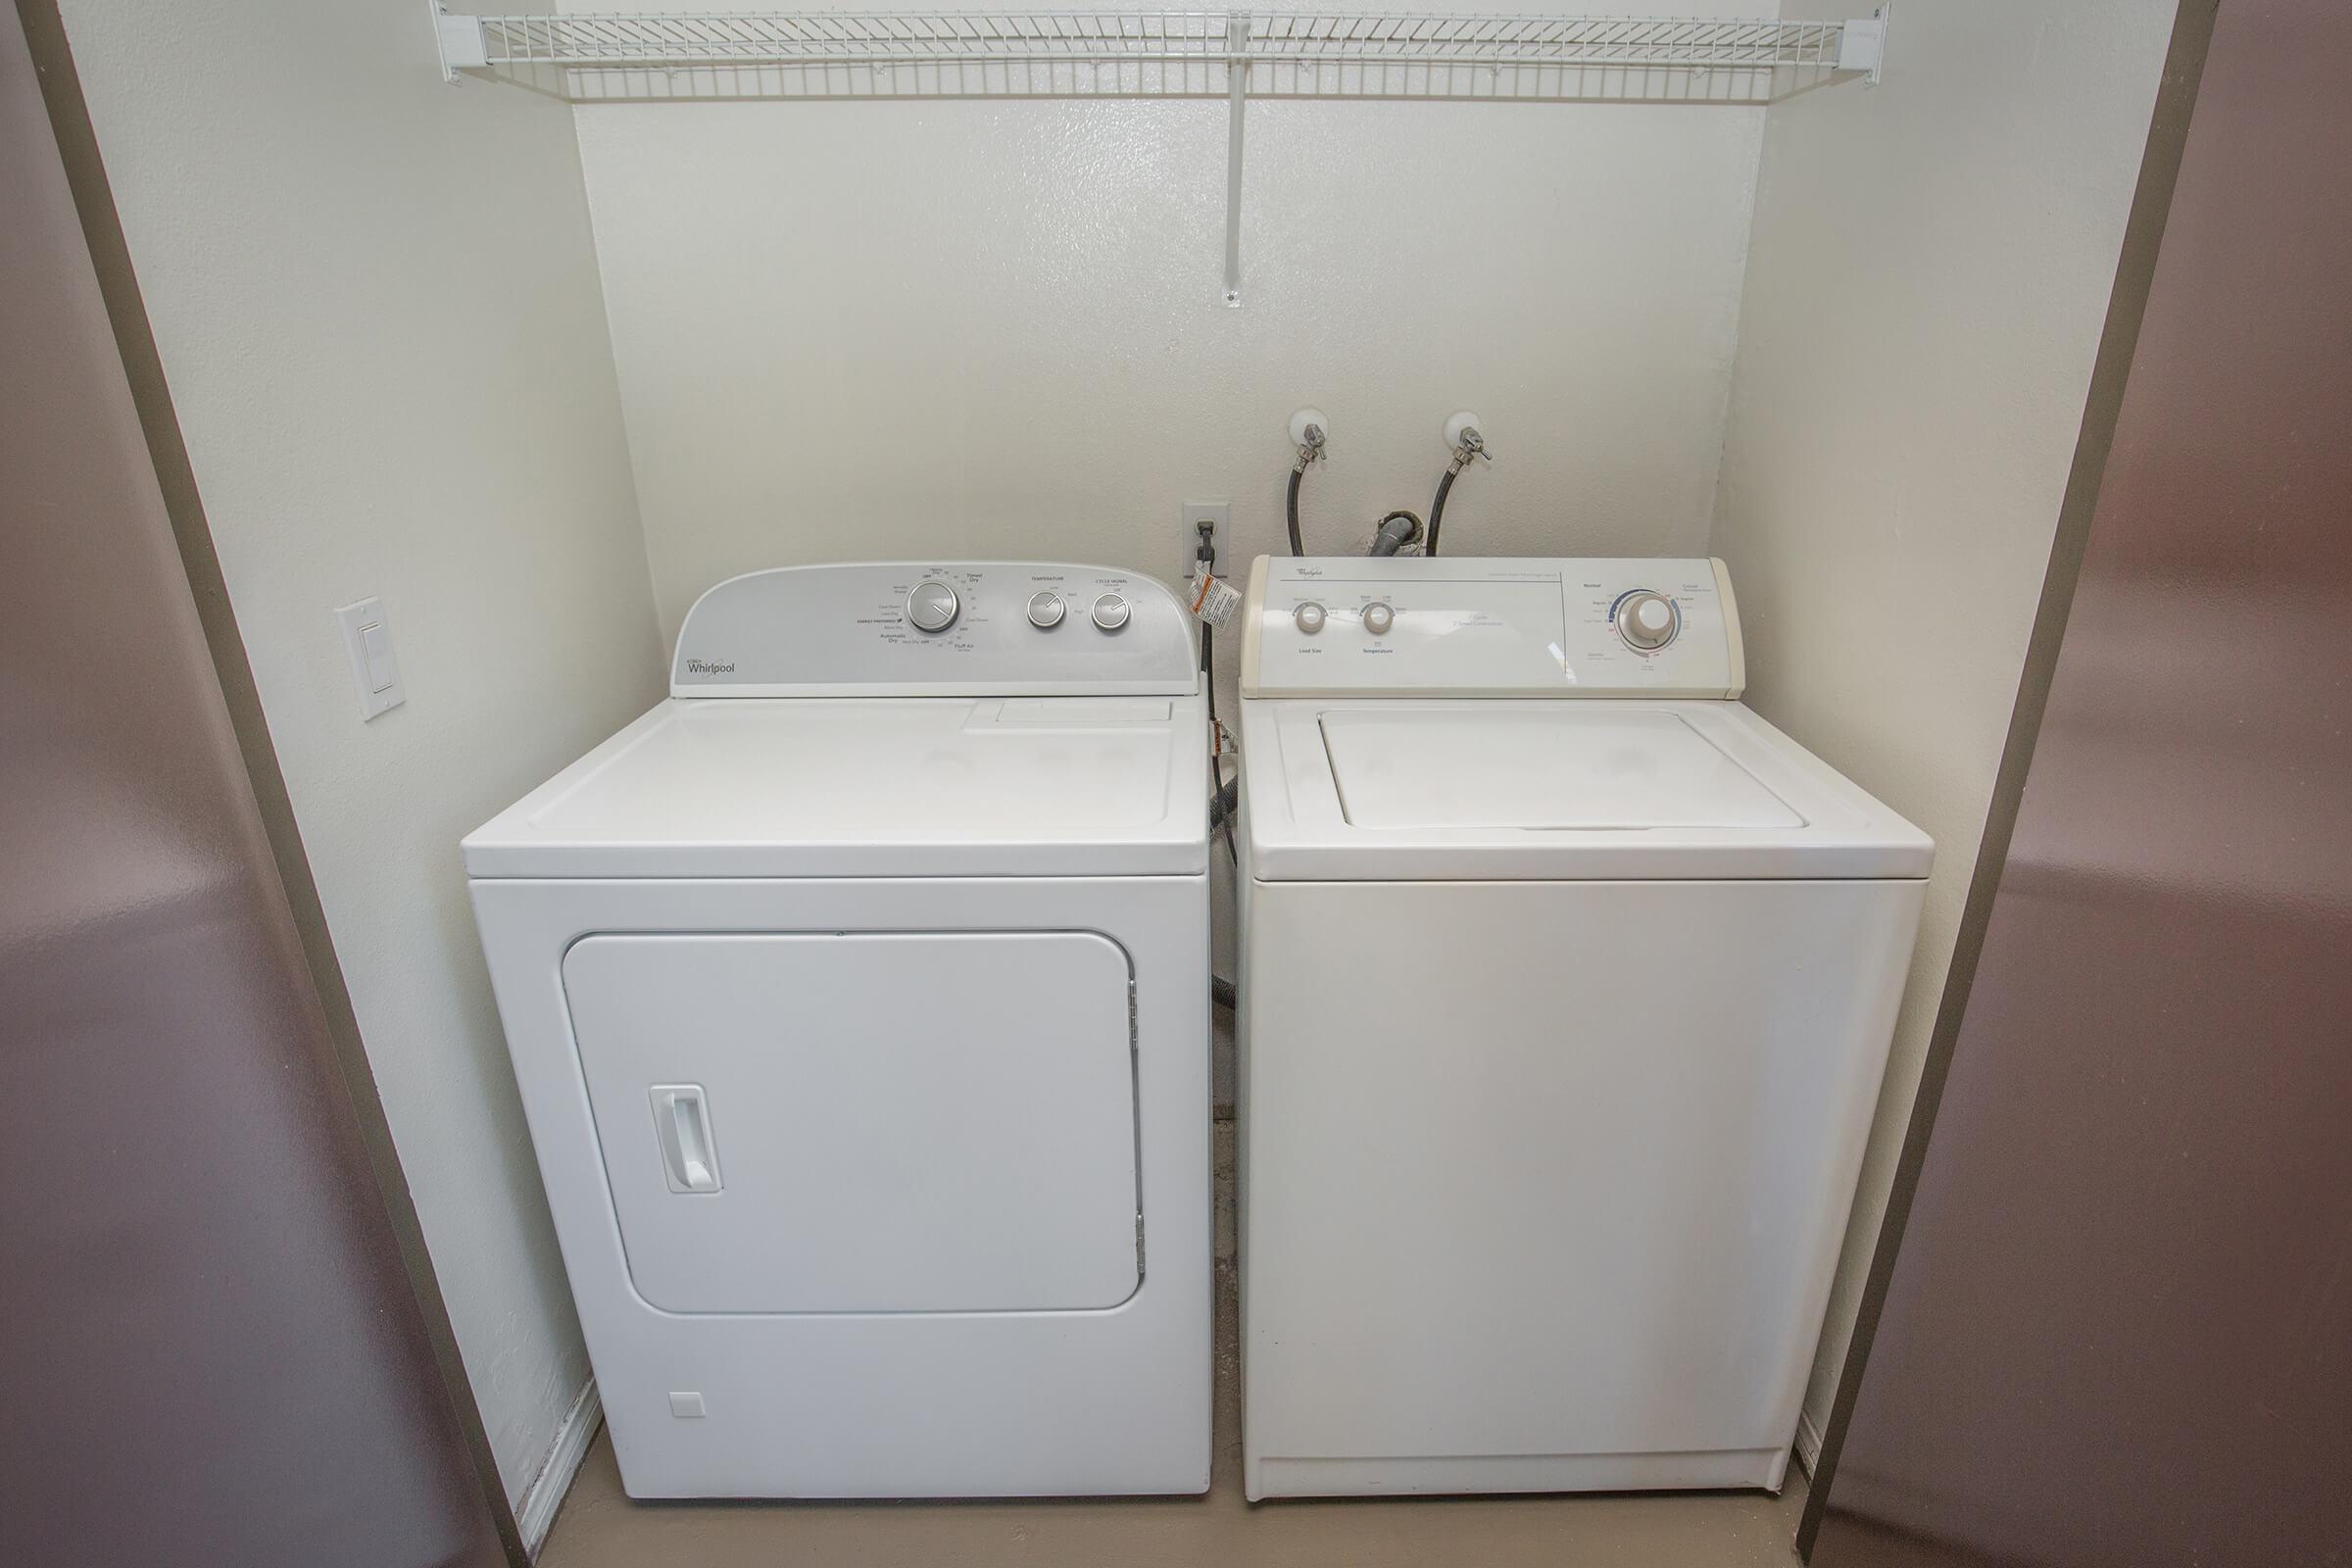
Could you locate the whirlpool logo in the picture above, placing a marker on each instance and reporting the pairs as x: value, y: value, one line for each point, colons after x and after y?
x: 706, y: 666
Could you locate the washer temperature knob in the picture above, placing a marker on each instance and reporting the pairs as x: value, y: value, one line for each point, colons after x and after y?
x: 933, y: 607
x: 1647, y: 620
x: 1379, y: 617
x: 1110, y: 612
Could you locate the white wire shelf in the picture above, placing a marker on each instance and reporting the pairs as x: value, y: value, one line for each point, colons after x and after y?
x: 1235, y: 55
x: 591, y: 58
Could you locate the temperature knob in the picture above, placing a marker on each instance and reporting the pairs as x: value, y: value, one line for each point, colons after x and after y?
x: 1378, y: 618
x: 933, y: 607
x: 1110, y: 612
x: 1309, y: 618
x: 1647, y: 620
x: 1045, y: 611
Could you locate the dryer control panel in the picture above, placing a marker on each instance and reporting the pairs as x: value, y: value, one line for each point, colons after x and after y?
x: 1466, y: 626
x: 994, y: 628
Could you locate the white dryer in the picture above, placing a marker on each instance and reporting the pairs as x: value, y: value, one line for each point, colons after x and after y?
x: 858, y: 995
x: 1567, y: 984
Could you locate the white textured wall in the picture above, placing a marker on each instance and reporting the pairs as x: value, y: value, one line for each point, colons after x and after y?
x: 868, y: 330
x: 377, y: 305
x: 1926, y: 281
x: 994, y: 329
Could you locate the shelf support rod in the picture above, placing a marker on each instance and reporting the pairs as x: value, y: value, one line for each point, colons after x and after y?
x: 1237, y: 91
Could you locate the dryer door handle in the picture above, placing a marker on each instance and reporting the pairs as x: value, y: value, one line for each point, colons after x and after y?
x: 683, y: 1127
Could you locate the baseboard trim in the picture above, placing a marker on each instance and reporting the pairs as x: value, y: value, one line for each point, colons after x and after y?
x: 1267, y: 1476
x: 537, y: 1513
x: 1808, y: 1442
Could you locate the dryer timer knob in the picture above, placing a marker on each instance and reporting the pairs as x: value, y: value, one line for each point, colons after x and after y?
x: 933, y: 607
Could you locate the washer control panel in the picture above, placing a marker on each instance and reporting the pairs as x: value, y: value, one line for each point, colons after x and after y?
x: 936, y: 628
x: 1464, y: 627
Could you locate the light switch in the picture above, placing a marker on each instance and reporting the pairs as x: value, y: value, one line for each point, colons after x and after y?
x: 375, y: 648
x: 367, y: 642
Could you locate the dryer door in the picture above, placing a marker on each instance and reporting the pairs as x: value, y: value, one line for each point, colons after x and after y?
x: 865, y: 1121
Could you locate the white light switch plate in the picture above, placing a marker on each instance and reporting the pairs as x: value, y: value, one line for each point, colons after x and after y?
x: 375, y: 668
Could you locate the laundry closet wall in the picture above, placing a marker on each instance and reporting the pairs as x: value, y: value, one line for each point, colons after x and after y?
x: 1926, y: 287
x: 377, y: 305
x: 863, y: 329
x: 992, y: 328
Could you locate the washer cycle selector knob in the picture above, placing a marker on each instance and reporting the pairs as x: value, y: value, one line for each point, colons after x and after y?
x: 1378, y: 618
x: 1045, y: 611
x: 1110, y: 612
x: 1309, y: 616
x: 1646, y: 620
x: 933, y: 607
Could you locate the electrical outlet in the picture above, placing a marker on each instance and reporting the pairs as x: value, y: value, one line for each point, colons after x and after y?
x: 1218, y: 516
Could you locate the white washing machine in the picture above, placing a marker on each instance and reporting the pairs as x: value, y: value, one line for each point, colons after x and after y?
x: 1567, y: 985
x: 858, y: 995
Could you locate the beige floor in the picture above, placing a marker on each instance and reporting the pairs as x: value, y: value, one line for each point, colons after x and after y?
x: 601, y: 1528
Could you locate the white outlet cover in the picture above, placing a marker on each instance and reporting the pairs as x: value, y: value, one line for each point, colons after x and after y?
x: 1219, y: 515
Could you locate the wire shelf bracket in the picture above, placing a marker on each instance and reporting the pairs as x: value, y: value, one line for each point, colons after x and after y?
x: 585, y: 57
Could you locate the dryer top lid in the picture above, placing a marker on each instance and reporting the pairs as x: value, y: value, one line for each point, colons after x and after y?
x: 1020, y: 786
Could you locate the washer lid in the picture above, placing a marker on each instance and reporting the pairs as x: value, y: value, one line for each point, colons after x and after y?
x: 1359, y: 791
x: 1077, y: 786
x: 1529, y: 766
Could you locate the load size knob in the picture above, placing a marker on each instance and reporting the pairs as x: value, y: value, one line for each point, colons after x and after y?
x: 1647, y: 620
x: 1110, y: 612
x: 933, y: 607
x: 1309, y: 618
